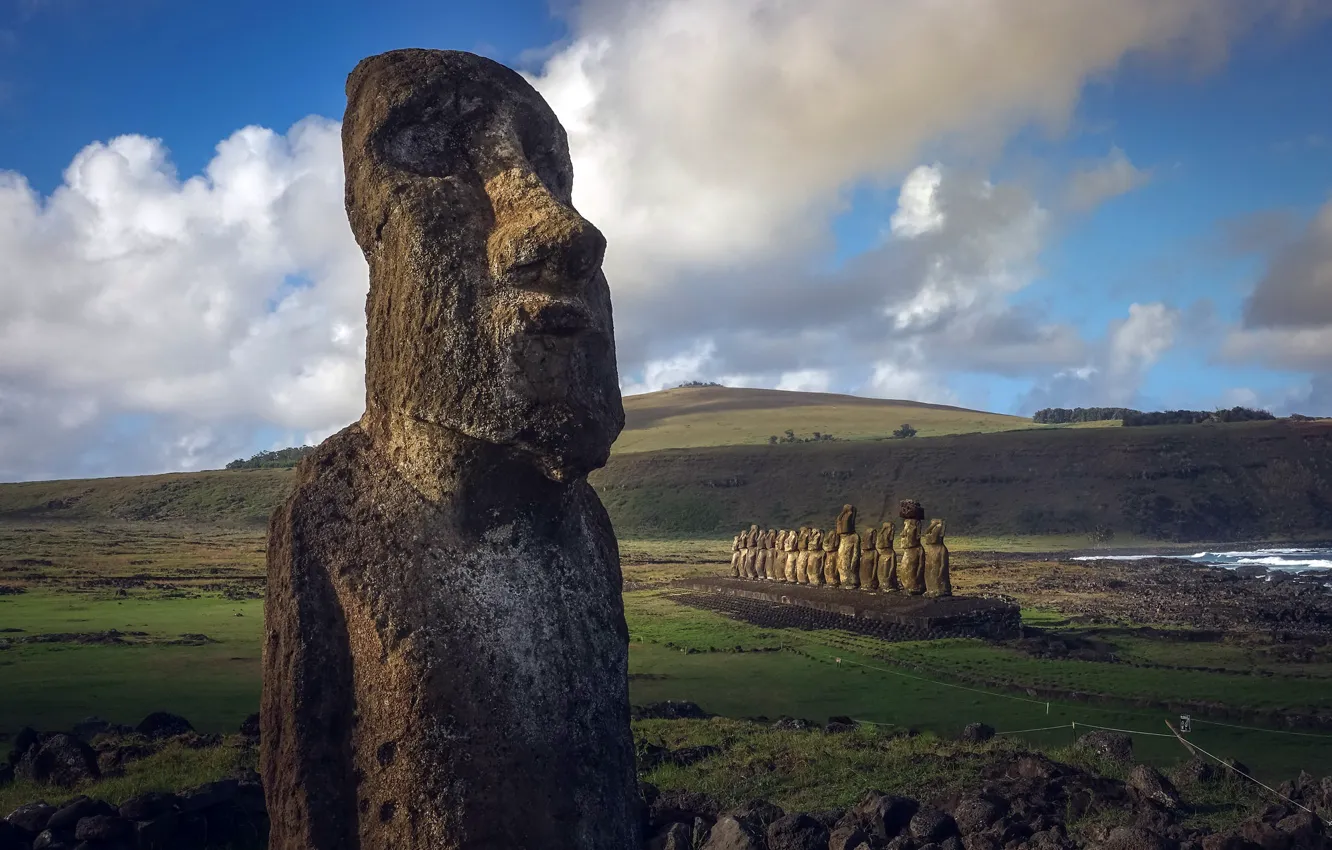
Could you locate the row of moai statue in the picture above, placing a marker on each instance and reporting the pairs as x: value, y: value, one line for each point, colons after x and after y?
x: 845, y: 557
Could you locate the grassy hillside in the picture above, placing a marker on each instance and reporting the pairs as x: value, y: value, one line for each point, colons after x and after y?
x: 696, y: 462
x: 1250, y: 480
x: 697, y: 417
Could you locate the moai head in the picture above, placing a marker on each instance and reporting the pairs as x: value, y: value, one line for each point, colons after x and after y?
x: 830, y: 541
x: 488, y: 312
x: 910, y: 537
x: 867, y: 540
x: 752, y: 538
x: 884, y: 541
x: 802, y: 540
x: 934, y: 533
x: 846, y: 520
x: 815, y: 540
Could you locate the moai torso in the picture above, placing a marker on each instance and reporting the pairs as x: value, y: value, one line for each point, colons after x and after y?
x: 801, y: 556
x: 869, y: 579
x: 886, y: 559
x: 816, y: 554
x: 937, y: 580
x: 830, y: 574
x: 911, y: 558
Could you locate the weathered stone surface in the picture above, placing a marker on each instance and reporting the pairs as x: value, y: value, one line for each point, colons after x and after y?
x: 749, y: 558
x: 445, y: 658
x: 675, y: 836
x: 869, y: 560
x: 885, y: 816
x: 1115, y: 746
x: 847, y: 546
x: 831, y: 543
x: 886, y: 559
x: 147, y: 806
x: 103, y: 828
x: 911, y: 558
x: 937, y: 580
x: 731, y: 834
x: 736, y: 556
x: 910, y: 509
x: 797, y: 832
x: 803, y: 574
x: 61, y: 760
x: 68, y: 816
x: 1148, y: 783
x: 931, y: 825
x: 31, y: 817
x: 817, y: 574
x: 976, y: 813
x: 848, y: 837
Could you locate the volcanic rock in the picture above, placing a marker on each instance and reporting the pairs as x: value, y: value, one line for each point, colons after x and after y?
x: 446, y: 653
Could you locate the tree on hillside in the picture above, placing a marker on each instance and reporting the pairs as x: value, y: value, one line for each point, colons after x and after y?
x: 905, y: 431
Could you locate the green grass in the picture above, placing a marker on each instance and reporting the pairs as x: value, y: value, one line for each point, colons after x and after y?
x: 53, y: 686
x: 174, y: 768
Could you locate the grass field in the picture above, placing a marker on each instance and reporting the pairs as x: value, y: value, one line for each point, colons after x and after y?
x: 163, y: 590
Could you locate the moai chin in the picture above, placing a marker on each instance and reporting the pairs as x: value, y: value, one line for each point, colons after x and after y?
x: 420, y: 689
x: 847, y: 544
x: 937, y: 580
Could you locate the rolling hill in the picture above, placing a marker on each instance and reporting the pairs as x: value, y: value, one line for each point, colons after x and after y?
x: 696, y: 461
x: 698, y: 417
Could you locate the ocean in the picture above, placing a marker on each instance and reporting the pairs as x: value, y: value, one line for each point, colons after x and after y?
x: 1294, y: 560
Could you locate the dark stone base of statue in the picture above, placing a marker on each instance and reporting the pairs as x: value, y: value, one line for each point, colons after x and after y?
x: 949, y: 616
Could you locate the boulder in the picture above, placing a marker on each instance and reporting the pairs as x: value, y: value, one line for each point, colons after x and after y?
x: 24, y: 740
x: 977, y: 733
x: 147, y: 806
x: 797, y: 832
x: 848, y: 837
x: 48, y: 840
x: 930, y: 825
x: 59, y: 760
x: 1303, y: 828
x: 31, y: 817
x: 976, y: 813
x: 1196, y: 771
x: 675, y: 836
x: 65, y: 818
x: 1266, y: 836
x: 681, y: 806
x: 729, y: 833
x: 1149, y: 785
x: 757, y: 814
x: 1115, y: 746
x: 1224, y: 841
x: 103, y: 828
x: 163, y: 724
x: 885, y: 816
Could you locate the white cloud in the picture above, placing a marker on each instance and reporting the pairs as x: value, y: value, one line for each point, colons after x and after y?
x: 1096, y: 182
x: 806, y: 380
x: 131, y: 292
x: 918, y: 210
x: 667, y: 372
x: 895, y: 381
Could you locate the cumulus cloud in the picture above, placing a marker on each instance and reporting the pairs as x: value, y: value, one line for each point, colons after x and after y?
x: 1094, y: 183
x: 219, y: 304
x: 1114, y: 372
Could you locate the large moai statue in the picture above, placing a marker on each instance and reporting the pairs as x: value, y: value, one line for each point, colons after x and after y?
x: 789, y: 555
x: 830, y: 574
x: 802, y: 555
x: 750, y: 563
x: 445, y: 654
x: 767, y: 547
x: 911, y: 558
x: 775, y: 571
x: 736, y: 555
x: 848, y: 549
x: 937, y: 580
x: 761, y: 556
x: 869, y: 577
x: 886, y: 560
x: 817, y: 574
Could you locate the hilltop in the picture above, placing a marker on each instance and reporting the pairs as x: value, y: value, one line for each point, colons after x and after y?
x: 699, y: 417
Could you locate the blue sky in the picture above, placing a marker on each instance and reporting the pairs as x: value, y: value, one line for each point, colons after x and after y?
x: 1072, y: 210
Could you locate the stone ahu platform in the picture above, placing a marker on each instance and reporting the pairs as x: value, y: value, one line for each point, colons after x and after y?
x: 893, y: 616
